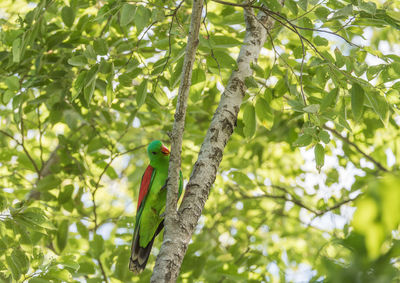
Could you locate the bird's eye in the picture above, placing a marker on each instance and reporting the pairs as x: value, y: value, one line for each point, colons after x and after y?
x: 154, y: 152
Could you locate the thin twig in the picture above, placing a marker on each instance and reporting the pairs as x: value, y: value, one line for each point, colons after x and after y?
x: 112, y: 158
x: 24, y: 149
x: 102, y: 270
x: 345, y: 139
x: 208, y: 38
x: 173, y: 15
x: 276, y: 14
x: 295, y: 200
x: 40, y: 137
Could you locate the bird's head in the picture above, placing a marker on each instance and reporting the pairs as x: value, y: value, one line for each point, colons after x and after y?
x: 157, y: 151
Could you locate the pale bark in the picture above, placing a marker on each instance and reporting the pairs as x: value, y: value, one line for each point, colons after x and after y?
x: 179, y: 232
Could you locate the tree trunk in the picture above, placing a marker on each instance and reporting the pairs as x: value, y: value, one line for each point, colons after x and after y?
x: 180, y: 227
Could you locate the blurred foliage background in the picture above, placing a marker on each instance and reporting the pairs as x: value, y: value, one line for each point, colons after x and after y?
x: 86, y: 85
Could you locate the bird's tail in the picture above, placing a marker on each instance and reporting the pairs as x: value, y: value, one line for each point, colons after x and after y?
x: 140, y: 255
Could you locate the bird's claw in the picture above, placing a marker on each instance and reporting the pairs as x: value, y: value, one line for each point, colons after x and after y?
x: 165, y: 185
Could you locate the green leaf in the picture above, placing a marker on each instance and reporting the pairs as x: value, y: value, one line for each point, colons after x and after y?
x: 78, y: 61
x: 369, y: 7
x: 250, y: 82
x: 141, y: 93
x: 357, y: 101
x: 329, y: 99
x: 68, y: 16
x: 242, y: 179
x: 394, y: 15
x: 111, y: 173
x: 106, y: 67
x: 48, y: 183
x: 259, y: 72
x: 20, y: 260
x: 342, y: 122
x: 224, y: 59
x: 100, y: 46
x: 249, y: 120
x: 88, y: 91
x: 16, y: 274
x: 340, y: 59
x: 34, y: 215
x: 3, y: 205
x: 86, y: 267
x: 379, y: 104
x: 83, y: 230
x: 198, y: 76
x: 319, y: 156
x: 264, y: 113
x: 292, y: 6
x: 110, y: 94
x: 69, y: 261
x: 122, y: 262
x: 308, y: 26
x: 79, y: 83
x: 322, y: 12
x: 303, y: 4
x: 223, y: 42
x: 12, y: 83
x: 58, y: 275
x: 91, y: 75
x: 38, y: 280
x: 320, y: 41
x: 89, y: 53
x: 125, y: 79
x: 7, y: 96
x: 298, y: 52
x: 142, y: 18
x: 303, y: 140
x: 324, y: 136
x: 274, y: 5
x: 313, y: 108
x: 62, y: 235
x: 344, y: 12
x: 66, y: 194
x: 97, y: 246
x: 127, y: 14
x: 16, y: 50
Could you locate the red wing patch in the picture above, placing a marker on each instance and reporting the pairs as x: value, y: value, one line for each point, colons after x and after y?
x: 145, y: 184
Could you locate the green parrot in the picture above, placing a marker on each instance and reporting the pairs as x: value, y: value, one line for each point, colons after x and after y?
x: 151, y: 205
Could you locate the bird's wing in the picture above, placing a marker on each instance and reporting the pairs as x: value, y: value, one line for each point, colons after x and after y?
x: 145, y: 185
x: 140, y: 255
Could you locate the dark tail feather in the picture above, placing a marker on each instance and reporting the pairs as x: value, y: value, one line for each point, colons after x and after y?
x: 139, y: 255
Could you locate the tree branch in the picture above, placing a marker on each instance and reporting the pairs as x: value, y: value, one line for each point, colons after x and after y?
x: 178, y: 234
x: 167, y: 267
x: 22, y: 144
x: 346, y: 140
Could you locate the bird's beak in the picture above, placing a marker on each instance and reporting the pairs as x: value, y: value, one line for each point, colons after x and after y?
x: 164, y: 150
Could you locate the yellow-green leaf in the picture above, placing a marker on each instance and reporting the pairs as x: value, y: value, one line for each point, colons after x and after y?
x: 127, y: 14
x: 62, y: 235
x: 68, y: 16
x: 141, y: 93
x: 249, y: 120
x: 319, y: 153
x: 357, y: 100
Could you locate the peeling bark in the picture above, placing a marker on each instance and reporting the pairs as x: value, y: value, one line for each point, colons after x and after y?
x: 181, y: 224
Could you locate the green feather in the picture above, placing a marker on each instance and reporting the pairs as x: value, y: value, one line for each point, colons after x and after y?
x: 149, y: 217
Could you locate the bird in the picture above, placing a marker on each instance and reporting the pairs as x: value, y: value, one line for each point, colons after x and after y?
x: 151, y: 205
